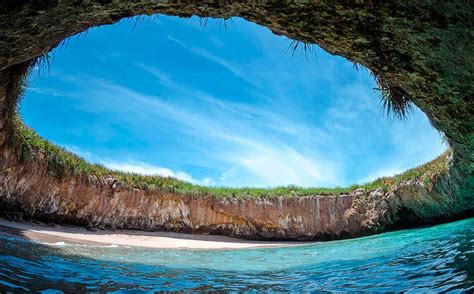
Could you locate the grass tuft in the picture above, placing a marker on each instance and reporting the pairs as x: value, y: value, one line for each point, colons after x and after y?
x: 394, y: 100
x: 303, y: 46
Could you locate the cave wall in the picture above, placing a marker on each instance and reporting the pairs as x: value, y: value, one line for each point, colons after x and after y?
x: 422, y: 48
x: 29, y: 192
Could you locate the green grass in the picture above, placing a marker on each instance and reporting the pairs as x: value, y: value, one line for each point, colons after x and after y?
x: 62, y: 163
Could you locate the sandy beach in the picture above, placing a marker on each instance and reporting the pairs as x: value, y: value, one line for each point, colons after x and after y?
x: 47, y: 234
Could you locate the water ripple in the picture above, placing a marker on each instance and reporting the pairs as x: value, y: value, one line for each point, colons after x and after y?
x: 439, y: 258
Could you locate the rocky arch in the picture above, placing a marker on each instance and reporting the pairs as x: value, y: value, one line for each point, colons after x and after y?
x: 423, y: 49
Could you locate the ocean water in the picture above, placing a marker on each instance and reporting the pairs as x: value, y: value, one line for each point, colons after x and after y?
x: 439, y: 258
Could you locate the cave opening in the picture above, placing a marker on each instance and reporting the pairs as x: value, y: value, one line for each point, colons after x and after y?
x: 221, y: 103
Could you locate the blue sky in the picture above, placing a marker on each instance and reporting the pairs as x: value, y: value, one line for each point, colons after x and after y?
x: 222, y: 107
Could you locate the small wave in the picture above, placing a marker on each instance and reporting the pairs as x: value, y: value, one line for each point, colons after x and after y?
x: 58, y: 244
x: 64, y: 244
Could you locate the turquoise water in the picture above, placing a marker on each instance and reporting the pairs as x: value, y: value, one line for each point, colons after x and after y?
x: 439, y: 258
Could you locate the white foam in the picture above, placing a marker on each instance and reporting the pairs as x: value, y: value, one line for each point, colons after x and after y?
x: 64, y: 244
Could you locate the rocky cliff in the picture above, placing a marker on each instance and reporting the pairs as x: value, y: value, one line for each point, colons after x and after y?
x: 30, y: 192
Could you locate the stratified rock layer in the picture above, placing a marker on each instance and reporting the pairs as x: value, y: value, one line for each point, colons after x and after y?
x: 424, y: 49
x: 29, y: 191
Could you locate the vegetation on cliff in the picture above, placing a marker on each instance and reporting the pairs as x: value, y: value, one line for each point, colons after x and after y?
x: 63, y: 164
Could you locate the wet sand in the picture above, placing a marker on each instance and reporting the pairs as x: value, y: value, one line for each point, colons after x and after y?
x: 48, y: 234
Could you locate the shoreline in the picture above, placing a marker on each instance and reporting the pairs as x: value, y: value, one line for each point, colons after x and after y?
x: 50, y: 235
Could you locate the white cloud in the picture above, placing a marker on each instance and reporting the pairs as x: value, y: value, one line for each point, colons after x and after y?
x: 236, y: 70
x: 147, y: 169
x: 256, y: 114
x: 228, y: 140
x: 137, y: 167
x: 285, y: 166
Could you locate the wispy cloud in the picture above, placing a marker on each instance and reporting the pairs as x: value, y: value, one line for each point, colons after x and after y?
x: 147, y: 169
x: 137, y: 167
x: 236, y: 70
x: 255, y: 113
x: 262, y: 157
x: 285, y: 166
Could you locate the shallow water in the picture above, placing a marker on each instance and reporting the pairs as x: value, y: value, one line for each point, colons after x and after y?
x: 439, y: 258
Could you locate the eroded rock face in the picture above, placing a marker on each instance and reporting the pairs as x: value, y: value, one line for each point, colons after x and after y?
x: 425, y: 50
x: 28, y: 191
